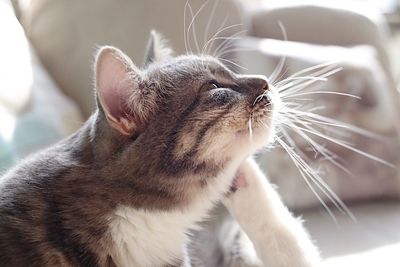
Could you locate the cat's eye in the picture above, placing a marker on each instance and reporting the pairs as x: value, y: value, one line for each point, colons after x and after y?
x: 214, y: 84
x: 210, y: 85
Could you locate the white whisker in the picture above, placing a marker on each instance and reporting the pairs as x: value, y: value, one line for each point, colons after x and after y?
x: 330, y: 156
x: 234, y: 49
x: 225, y: 44
x: 184, y: 26
x: 284, y: 81
x: 209, y: 42
x: 188, y: 29
x: 323, y: 65
x: 316, y: 74
x: 285, y: 90
x: 282, y: 60
x: 358, y: 151
x: 306, y: 123
x: 319, y: 182
x: 214, y: 8
x: 329, y: 121
x: 250, y: 128
x: 192, y: 24
x: 324, y: 92
x: 233, y: 63
x: 304, y: 173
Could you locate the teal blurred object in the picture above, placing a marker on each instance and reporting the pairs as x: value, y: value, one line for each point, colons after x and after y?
x: 7, y: 155
x: 32, y: 132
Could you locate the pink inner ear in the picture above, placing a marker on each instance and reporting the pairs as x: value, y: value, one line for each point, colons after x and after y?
x: 113, y: 103
x: 114, y: 83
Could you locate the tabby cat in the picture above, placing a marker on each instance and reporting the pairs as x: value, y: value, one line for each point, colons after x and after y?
x: 166, y: 144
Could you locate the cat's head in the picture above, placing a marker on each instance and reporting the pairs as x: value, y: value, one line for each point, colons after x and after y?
x: 185, y: 108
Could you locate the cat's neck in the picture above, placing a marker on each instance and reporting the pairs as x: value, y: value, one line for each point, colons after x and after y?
x: 95, y: 142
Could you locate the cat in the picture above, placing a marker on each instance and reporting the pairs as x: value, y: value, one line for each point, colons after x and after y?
x: 166, y: 144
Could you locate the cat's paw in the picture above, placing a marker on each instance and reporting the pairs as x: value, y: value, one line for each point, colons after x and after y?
x: 238, y: 182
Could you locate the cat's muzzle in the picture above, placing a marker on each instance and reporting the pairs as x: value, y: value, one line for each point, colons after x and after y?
x: 265, y: 99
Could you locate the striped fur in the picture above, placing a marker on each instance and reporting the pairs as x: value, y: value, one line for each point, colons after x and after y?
x: 129, y: 186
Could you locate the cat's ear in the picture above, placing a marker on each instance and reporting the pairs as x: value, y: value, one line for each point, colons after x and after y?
x: 117, y: 80
x: 157, y: 49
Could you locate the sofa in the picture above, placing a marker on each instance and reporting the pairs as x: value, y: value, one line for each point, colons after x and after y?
x: 47, y: 91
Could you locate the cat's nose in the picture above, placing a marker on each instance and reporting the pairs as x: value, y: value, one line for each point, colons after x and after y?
x: 264, y: 83
x: 258, y: 82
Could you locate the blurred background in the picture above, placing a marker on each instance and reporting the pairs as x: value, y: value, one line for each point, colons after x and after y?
x: 46, y: 91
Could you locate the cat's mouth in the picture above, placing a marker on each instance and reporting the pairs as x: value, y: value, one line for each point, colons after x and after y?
x: 264, y: 108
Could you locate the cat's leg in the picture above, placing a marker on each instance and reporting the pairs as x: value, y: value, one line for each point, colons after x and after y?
x: 237, y: 249
x: 185, y: 261
x: 279, y: 238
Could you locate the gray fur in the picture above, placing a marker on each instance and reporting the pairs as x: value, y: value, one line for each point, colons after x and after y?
x: 55, y: 206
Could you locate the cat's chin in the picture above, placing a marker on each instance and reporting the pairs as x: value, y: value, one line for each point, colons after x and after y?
x: 260, y: 137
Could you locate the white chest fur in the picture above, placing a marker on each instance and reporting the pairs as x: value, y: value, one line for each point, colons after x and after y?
x: 152, y: 238
x: 143, y: 238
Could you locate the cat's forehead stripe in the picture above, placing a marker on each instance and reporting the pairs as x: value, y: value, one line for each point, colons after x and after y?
x: 188, y: 69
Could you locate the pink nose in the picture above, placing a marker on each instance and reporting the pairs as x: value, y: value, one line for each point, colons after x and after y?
x: 259, y: 82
